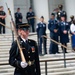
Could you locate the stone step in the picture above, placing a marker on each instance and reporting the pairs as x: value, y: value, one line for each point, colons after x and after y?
x: 61, y: 73
x: 8, y: 73
x: 59, y: 70
x: 55, y: 66
x: 48, y: 56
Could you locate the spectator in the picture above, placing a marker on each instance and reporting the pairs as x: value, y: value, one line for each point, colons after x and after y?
x: 72, y: 29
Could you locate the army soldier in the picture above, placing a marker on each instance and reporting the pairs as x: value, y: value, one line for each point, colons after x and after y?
x: 18, y: 17
x: 64, y: 28
x: 53, y: 28
x: 61, y: 12
x: 30, y: 51
x: 41, y: 30
x: 30, y: 18
x: 2, y: 19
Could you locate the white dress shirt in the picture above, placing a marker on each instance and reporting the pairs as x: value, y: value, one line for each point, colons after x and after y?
x: 24, y: 39
x: 72, y: 28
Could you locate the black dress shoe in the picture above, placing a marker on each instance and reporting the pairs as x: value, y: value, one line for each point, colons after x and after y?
x: 66, y: 52
x: 58, y: 52
x: 41, y: 54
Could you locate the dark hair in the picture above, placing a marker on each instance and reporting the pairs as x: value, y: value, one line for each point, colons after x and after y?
x: 42, y: 17
x: 18, y: 8
x: 53, y: 14
x: 1, y: 6
x: 74, y: 22
x: 30, y: 7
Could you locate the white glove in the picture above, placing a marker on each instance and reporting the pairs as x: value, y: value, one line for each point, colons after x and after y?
x: 23, y: 64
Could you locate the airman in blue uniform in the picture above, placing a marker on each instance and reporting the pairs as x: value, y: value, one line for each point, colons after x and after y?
x: 53, y: 28
x: 41, y: 30
x: 18, y: 17
x: 64, y: 28
x: 29, y: 18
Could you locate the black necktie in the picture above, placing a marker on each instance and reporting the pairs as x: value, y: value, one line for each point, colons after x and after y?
x: 27, y: 41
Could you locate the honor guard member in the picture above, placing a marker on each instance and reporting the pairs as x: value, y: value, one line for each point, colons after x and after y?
x: 18, y: 17
x: 41, y: 30
x: 2, y: 19
x: 53, y: 28
x: 30, y: 51
x: 30, y: 18
x: 61, y: 12
x: 64, y: 28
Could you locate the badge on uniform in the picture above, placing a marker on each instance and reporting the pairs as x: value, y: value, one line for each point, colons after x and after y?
x: 33, y: 49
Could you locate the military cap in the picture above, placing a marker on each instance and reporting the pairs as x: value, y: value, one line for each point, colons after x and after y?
x: 62, y: 15
x: 72, y: 16
x: 53, y: 14
x: 23, y: 26
x: 60, y: 6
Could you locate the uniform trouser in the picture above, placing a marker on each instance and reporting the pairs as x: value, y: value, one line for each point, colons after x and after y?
x: 64, y: 49
x: 3, y: 29
x: 42, y: 40
x: 32, y: 25
x: 53, y: 46
x: 0, y: 28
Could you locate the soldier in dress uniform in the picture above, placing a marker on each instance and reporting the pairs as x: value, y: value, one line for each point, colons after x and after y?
x: 18, y: 17
x: 53, y: 28
x: 30, y: 18
x: 64, y: 28
x: 41, y: 30
x: 2, y: 19
x: 61, y: 12
x: 30, y: 51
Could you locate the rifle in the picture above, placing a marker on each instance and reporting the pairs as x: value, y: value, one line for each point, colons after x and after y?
x: 16, y: 34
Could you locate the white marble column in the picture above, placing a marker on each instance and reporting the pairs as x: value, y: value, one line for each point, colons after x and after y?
x: 11, y: 6
x: 41, y: 9
x: 69, y: 5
